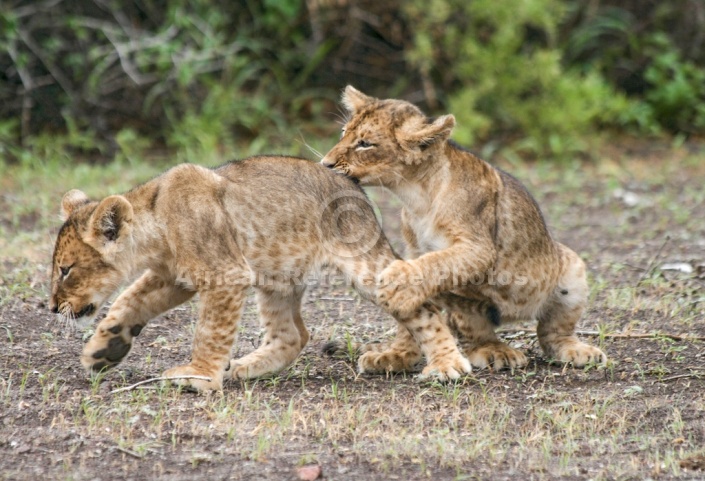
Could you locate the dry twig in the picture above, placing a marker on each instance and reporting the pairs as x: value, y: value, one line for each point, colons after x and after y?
x: 129, y: 451
x: 696, y: 375
x: 652, y: 335
x: 157, y: 379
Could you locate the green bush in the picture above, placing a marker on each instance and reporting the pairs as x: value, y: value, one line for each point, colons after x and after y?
x: 650, y: 51
x: 500, y: 63
x: 198, y: 74
x: 677, y: 96
x: 207, y: 78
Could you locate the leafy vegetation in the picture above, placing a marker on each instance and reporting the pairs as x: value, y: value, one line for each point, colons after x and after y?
x: 200, y: 75
x: 639, y: 51
x: 214, y: 79
x: 502, y: 65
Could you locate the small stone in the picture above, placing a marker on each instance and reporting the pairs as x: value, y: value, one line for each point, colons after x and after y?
x: 310, y: 472
x: 629, y: 198
x: 683, y: 267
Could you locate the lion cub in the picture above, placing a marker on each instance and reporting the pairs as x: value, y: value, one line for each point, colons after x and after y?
x: 267, y: 222
x: 470, y: 229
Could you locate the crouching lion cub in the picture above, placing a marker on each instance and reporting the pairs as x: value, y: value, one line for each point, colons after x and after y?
x: 267, y: 222
x: 470, y: 229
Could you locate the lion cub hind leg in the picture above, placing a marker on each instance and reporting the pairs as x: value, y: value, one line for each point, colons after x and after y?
x: 560, y: 314
x: 481, y: 345
x: 219, y: 315
x: 285, y: 334
x: 401, y: 354
x: 475, y: 331
x: 146, y: 298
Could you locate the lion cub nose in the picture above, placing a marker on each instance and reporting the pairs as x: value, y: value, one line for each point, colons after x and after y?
x: 327, y: 163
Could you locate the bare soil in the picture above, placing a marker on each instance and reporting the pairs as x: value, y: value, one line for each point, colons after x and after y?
x: 642, y: 417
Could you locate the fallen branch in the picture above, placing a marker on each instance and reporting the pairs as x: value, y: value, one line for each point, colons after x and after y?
x: 653, y: 335
x: 129, y: 451
x: 157, y: 379
x: 696, y: 375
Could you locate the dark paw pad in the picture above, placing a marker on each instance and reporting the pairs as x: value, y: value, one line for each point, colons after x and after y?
x: 116, y: 350
x: 100, y: 366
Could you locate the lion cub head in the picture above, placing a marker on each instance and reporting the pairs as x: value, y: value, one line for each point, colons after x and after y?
x: 91, y: 249
x: 385, y: 141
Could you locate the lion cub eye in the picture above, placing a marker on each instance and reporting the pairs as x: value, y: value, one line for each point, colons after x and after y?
x: 65, y: 270
x: 363, y: 144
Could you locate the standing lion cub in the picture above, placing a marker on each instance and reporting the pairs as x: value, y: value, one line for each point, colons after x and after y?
x: 267, y: 222
x: 470, y: 229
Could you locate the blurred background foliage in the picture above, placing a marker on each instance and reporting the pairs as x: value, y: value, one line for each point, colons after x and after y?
x: 523, y: 77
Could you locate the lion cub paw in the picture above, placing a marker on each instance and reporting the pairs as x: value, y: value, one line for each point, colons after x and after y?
x: 446, y: 368
x: 388, y: 361
x: 496, y: 355
x: 577, y: 353
x: 107, y: 347
x: 400, y: 289
x: 241, y: 369
x: 190, y: 376
x: 238, y: 371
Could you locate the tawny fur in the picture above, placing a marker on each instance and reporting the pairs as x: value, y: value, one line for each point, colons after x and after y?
x: 470, y: 230
x: 267, y: 222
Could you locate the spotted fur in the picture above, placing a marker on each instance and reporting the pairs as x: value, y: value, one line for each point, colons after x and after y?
x: 266, y: 222
x: 470, y: 229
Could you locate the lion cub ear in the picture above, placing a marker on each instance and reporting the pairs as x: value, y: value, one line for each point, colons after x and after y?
x: 427, y: 134
x: 111, y: 219
x: 353, y: 100
x: 72, y: 199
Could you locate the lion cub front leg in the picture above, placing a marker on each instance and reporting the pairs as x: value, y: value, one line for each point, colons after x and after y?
x: 424, y: 332
x: 425, y: 327
x: 218, y: 318
x: 402, y: 287
x: 285, y: 334
x: 443, y: 359
x: 556, y: 327
x: 147, y: 297
x: 406, y: 284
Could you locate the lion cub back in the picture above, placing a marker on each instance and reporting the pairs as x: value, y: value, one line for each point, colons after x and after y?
x: 302, y: 204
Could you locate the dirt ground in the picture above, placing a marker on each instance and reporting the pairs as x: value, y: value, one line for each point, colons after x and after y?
x: 638, y: 221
